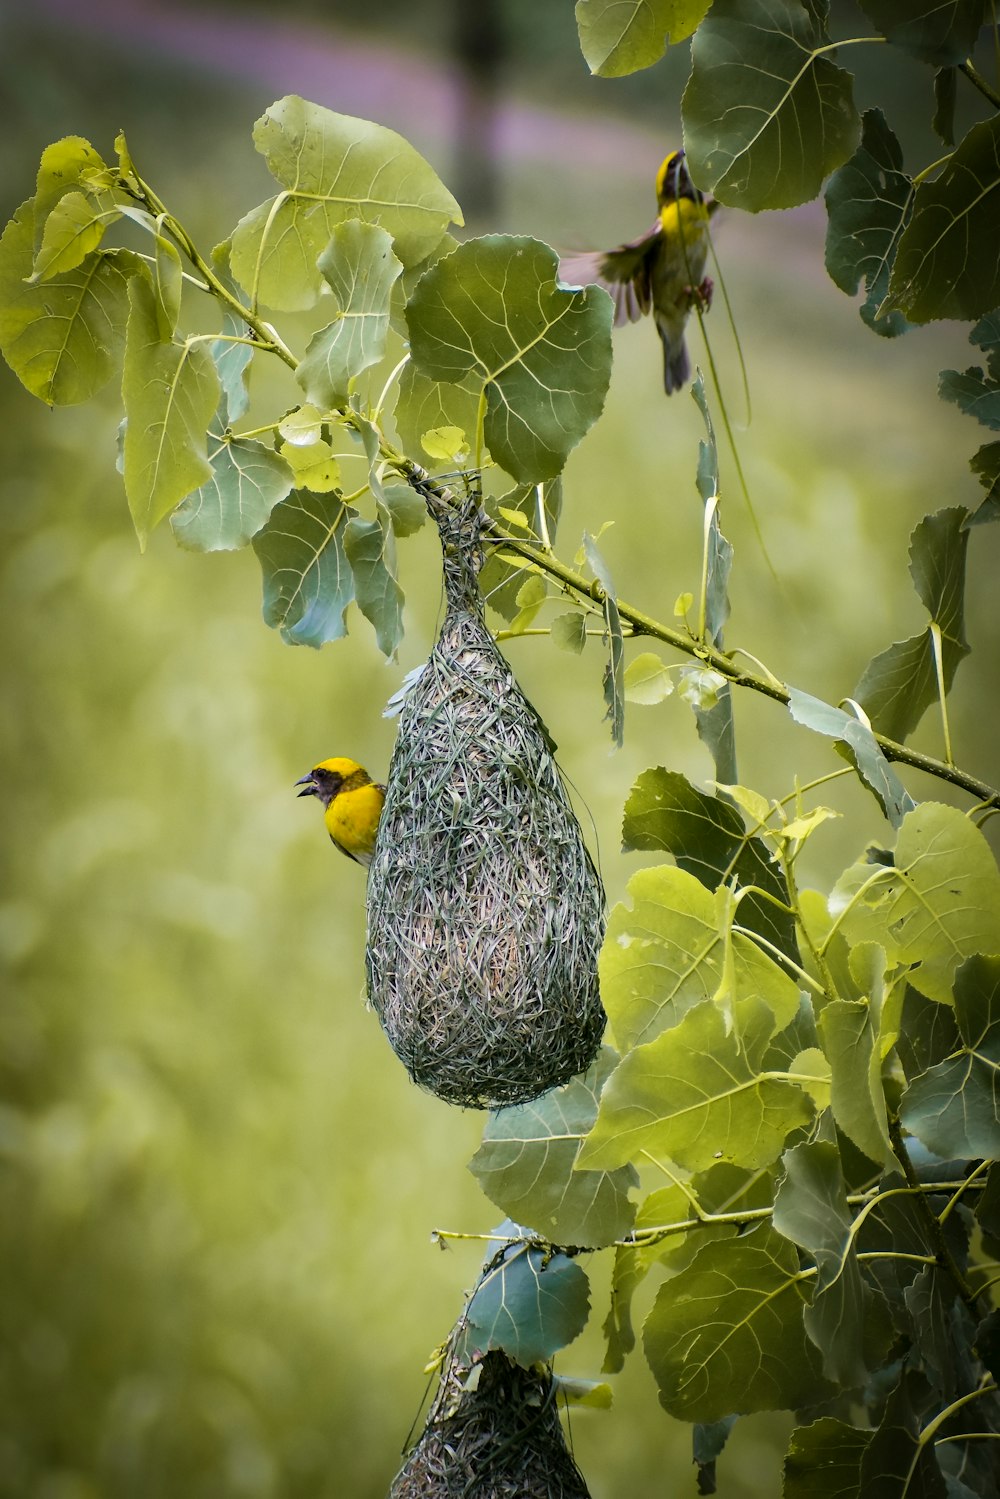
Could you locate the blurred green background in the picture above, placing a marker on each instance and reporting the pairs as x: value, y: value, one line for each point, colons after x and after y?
x: 217, y: 1186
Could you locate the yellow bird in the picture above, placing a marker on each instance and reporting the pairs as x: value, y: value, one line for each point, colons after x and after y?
x: 352, y: 804
x: 662, y: 272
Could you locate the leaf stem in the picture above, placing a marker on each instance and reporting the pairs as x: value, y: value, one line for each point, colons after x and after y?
x: 971, y: 1436
x: 643, y: 1237
x: 896, y: 1254
x: 781, y: 957
x: 970, y: 1181
x: 932, y: 167
x: 265, y: 335
x: 978, y: 81
x: 938, y: 647
x: 877, y: 874
x: 935, y: 1425
x: 542, y: 630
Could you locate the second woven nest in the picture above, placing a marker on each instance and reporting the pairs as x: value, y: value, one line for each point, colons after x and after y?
x: 501, y: 1439
x: 485, y: 911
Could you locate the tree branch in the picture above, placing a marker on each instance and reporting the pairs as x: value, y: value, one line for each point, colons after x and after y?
x: 645, y: 624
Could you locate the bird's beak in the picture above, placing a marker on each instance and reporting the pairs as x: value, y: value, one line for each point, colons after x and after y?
x: 308, y: 784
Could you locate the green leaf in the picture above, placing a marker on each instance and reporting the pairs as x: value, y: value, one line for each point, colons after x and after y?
x: 850, y: 1041
x: 621, y: 36
x: 810, y: 1209
x: 811, y: 1068
x: 73, y: 230
x: 725, y: 1335
x: 766, y: 114
x: 371, y: 552
x: 928, y: 1033
x: 719, y: 1190
x: 302, y: 427
x: 247, y: 481
x: 633, y: 1262
x: 937, y: 274
x: 593, y: 1394
x: 719, y: 551
x: 525, y: 1165
x: 233, y: 350
x: 614, y: 685
x: 823, y: 1460
x: 945, y: 98
x: 530, y: 597
x: 647, y: 680
x: 63, y: 339
x: 900, y: 683
x: 407, y: 510
x: 313, y: 467
x: 943, y: 1331
x: 528, y: 1305
x: 708, y: 1438
x: 937, y: 566
x: 666, y: 954
x: 976, y: 393
x: 446, y: 445
x: 935, y: 33
x: 501, y: 577
x: 715, y: 723
x: 868, y: 202
x: 308, y: 582
x: 859, y: 746
x: 171, y: 392
x: 717, y: 732
x: 954, y: 1107
x: 939, y: 904
x: 426, y: 405
x: 707, y: 837
x: 66, y: 164
x: 360, y: 268
x: 332, y: 167
x: 403, y: 289
x: 307, y: 451
x: 569, y: 632
x: 986, y: 464
x: 695, y: 1095
x: 168, y: 286
x: 988, y: 1206
x: 541, y: 354
x: 895, y: 1463
x: 701, y: 686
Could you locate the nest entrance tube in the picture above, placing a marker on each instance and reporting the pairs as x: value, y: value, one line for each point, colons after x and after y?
x: 485, y: 911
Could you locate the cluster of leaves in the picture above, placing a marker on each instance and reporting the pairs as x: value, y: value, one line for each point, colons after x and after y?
x: 357, y: 233
x: 769, y: 116
x: 804, y: 1091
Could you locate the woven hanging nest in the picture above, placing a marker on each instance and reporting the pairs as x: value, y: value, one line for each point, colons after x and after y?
x: 501, y: 1439
x: 485, y: 911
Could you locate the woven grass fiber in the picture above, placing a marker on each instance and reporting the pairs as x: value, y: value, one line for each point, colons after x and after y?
x: 485, y: 911
x: 501, y: 1439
